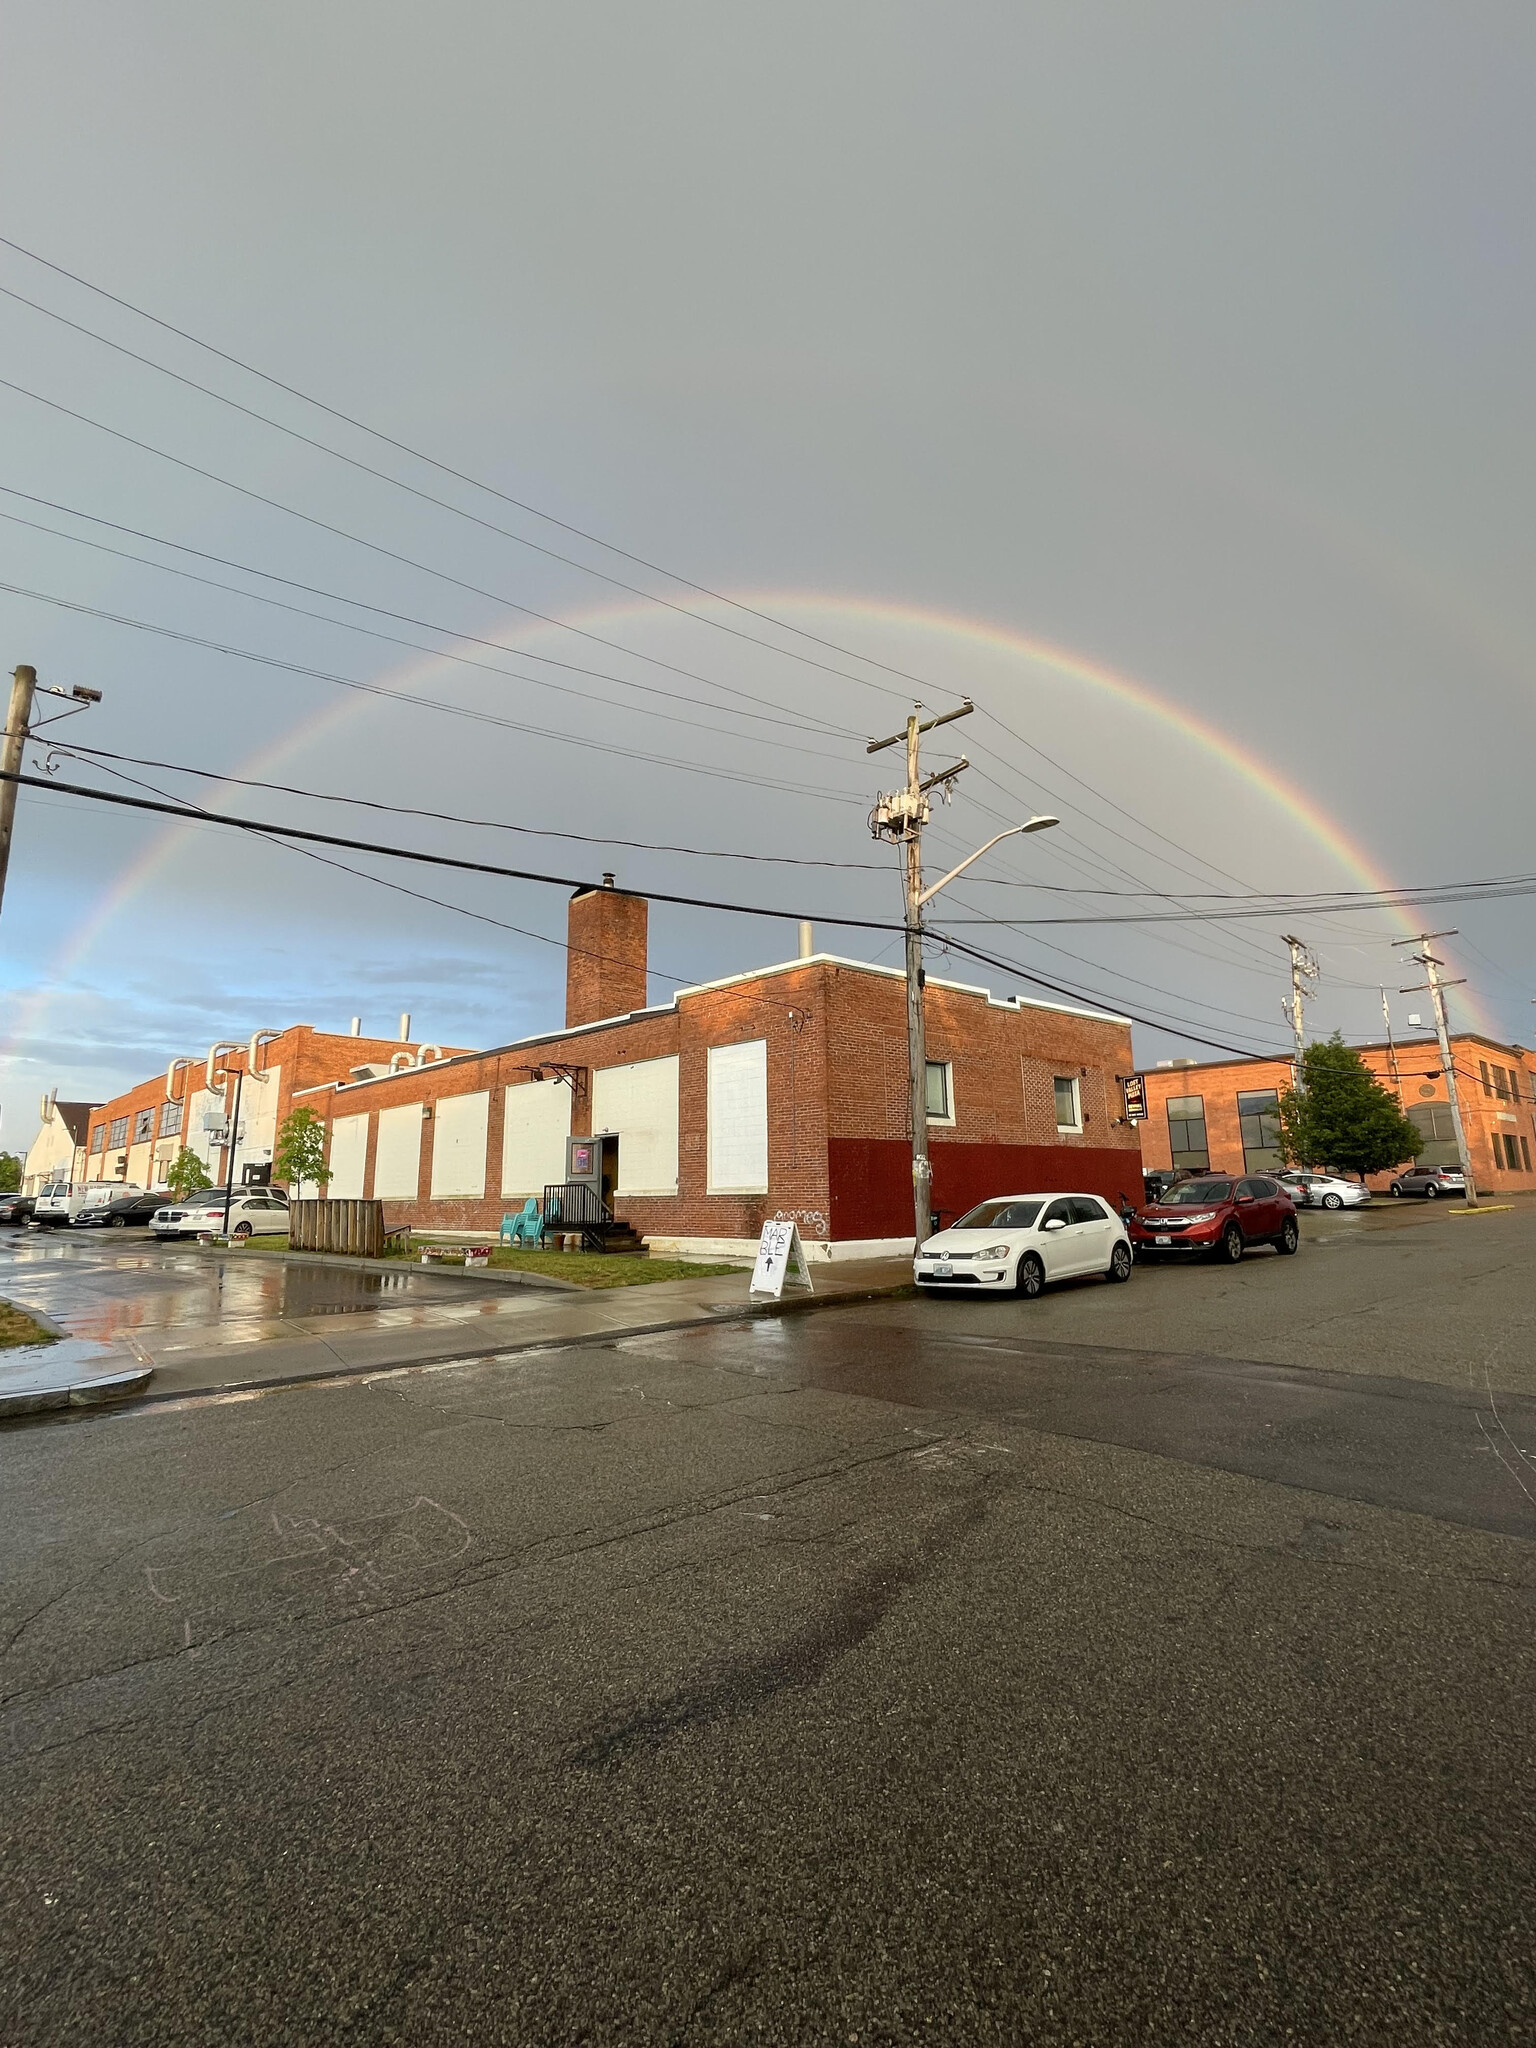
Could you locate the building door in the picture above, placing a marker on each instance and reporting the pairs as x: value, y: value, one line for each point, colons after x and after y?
x: 609, y: 1140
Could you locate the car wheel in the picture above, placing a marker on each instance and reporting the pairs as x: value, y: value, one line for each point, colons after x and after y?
x: 241, y: 1230
x: 1031, y: 1277
x: 118, y: 1222
x: 1289, y: 1238
x: 1119, y: 1263
x: 1333, y: 1201
x: 1230, y: 1249
x: 1431, y: 1193
x: 1396, y: 1190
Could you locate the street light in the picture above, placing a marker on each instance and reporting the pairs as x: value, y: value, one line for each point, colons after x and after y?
x: 917, y: 1049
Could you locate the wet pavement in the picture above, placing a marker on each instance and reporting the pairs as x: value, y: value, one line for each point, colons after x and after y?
x: 206, y: 1318
x: 923, y: 1671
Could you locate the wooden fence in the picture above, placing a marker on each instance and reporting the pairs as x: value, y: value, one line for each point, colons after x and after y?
x: 340, y: 1226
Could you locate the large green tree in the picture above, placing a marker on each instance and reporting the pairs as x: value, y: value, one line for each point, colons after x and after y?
x: 10, y: 1173
x: 1341, y: 1116
x: 300, y: 1154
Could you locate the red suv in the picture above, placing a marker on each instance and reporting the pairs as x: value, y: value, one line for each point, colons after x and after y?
x: 1218, y: 1215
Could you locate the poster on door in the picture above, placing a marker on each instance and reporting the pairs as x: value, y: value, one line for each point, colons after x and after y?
x: 780, y: 1261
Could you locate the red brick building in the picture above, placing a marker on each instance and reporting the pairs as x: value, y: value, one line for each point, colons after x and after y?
x: 782, y: 1092
x: 134, y: 1137
x: 1222, y: 1113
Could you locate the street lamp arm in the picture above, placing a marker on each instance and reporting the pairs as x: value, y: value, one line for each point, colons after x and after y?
x: 1034, y: 825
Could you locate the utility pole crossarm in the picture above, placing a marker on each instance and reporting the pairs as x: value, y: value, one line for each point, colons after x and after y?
x: 927, y: 725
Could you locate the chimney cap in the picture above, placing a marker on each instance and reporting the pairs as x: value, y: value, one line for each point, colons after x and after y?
x: 608, y: 882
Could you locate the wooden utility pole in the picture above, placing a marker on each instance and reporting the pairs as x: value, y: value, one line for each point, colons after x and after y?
x: 901, y: 817
x: 1436, y: 988
x: 17, y: 720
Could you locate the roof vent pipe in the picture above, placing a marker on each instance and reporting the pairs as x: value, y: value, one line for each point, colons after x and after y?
x: 357, y: 1027
x: 405, y: 1025
x: 426, y: 1054
x: 807, y: 939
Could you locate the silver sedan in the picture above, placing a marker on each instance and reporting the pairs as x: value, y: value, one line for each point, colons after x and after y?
x: 1331, y: 1191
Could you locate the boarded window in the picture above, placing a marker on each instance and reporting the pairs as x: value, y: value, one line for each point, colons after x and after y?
x: 349, y: 1155
x: 738, y: 1118
x: 397, y: 1163
x: 639, y: 1101
x: 1186, y: 1132
x: 458, y: 1148
x: 537, y: 1124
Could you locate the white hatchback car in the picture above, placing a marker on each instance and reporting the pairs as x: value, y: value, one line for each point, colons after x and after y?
x: 256, y: 1214
x: 1016, y: 1243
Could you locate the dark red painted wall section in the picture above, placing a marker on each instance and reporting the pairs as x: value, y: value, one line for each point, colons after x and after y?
x: 871, y: 1179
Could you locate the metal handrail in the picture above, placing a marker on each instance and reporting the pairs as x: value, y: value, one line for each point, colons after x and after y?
x: 576, y: 1205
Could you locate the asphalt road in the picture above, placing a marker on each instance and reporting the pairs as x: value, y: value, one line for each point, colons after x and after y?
x: 943, y: 1671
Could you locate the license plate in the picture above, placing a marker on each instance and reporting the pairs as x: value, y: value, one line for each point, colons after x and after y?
x: 943, y: 1270
x: 1162, y: 1240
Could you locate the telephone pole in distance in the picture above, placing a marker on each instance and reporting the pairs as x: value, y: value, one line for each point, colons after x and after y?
x: 1303, y: 971
x: 1436, y: 990
x: 19, y: 728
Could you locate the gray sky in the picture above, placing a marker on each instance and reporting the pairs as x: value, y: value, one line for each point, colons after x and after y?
x: 1194, y: 342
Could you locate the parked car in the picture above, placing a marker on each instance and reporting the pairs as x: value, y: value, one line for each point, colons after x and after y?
x: 61, y: 1201
x: 121, y: 1212
x: 1016, y: 1243
x: 1330, y: 1191
x: 250, y: 1215
x: 1156, y: 1181
x: 1219, y: 1215
x: 16, y: 1208
x: 1431, y: 1182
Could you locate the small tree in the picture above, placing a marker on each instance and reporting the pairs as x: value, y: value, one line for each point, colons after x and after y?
x: 10, y: 1173
x: 187, y: 1175
x: 300, y: 1154
x: 1342, y: 1116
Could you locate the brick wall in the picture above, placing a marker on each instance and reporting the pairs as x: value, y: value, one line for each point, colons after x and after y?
x: 838, y: 1150
x: 605, y: 961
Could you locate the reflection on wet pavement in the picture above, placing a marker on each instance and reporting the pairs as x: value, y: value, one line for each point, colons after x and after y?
x: 111, y: 1293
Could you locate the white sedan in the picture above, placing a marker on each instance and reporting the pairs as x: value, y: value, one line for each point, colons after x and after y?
x: 250, y: 1215
x: 1331, y: 1191
x: 1016, y: 1243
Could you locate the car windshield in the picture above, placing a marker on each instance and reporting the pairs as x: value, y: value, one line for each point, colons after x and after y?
x: 1000, y: 1216
x: 1190, y: 1194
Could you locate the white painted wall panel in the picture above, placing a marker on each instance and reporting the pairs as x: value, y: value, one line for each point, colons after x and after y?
x: 458, y: 1145
x: 397, y: 1161
x: 640, y: 1103
x: 738, y: 1118
x: 349, y: 1155
x: 538, y: 1122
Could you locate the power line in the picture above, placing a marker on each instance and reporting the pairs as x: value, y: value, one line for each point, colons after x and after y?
x: 105, y: 754
x: 405, y: 618
x: 461, y: 476
x: 390, y: 554
x: 431, y: 703
x: 443, y: 504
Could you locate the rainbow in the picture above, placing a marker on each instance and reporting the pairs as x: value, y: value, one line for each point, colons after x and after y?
x: 836, y: 614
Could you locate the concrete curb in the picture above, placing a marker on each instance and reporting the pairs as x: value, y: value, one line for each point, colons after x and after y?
x: 498, y: 1277
x: 95, y: 1393
x: 755, y: 1312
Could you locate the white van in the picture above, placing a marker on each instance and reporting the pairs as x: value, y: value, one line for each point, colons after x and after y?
x: 62, y: 1200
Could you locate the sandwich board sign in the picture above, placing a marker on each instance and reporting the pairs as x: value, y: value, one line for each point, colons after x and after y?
x: 780, y: 1259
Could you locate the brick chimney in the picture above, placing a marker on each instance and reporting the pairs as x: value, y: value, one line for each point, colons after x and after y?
x: 606, y: 961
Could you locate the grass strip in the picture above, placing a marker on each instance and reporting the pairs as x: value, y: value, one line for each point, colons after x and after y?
x: 17, y: 1328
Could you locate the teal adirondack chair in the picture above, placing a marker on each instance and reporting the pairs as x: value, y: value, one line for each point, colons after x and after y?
x: 525, y: 1228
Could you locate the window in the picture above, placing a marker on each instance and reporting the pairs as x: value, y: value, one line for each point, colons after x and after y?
x: 1258, y: 1114
x: 1487, y: 1084
x: 1525, y: 1156
x: 1501, y: 1084
x: 143, y: 1126
x: 1433, y: 1122
x: 941, y: 1091
x: 1511, y: 1153
x: 1186, y: 1132
x: 458, y: 1151
x: 118, y: 1135
x: 171, y: 1114
x: 640, y: 1101
x: 98, y: 1137
x: 1069, y: 1106
x: 1058, y: 1212
x: 999, y: 1216
x: 1086, y: 1210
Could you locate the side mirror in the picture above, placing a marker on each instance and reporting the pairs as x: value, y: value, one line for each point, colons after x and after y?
x: 1055, y: 1223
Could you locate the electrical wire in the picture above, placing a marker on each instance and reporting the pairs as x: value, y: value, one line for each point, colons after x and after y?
x: 433, y: 703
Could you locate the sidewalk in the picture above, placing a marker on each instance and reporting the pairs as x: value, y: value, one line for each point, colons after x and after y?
x: 247, y: 1352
